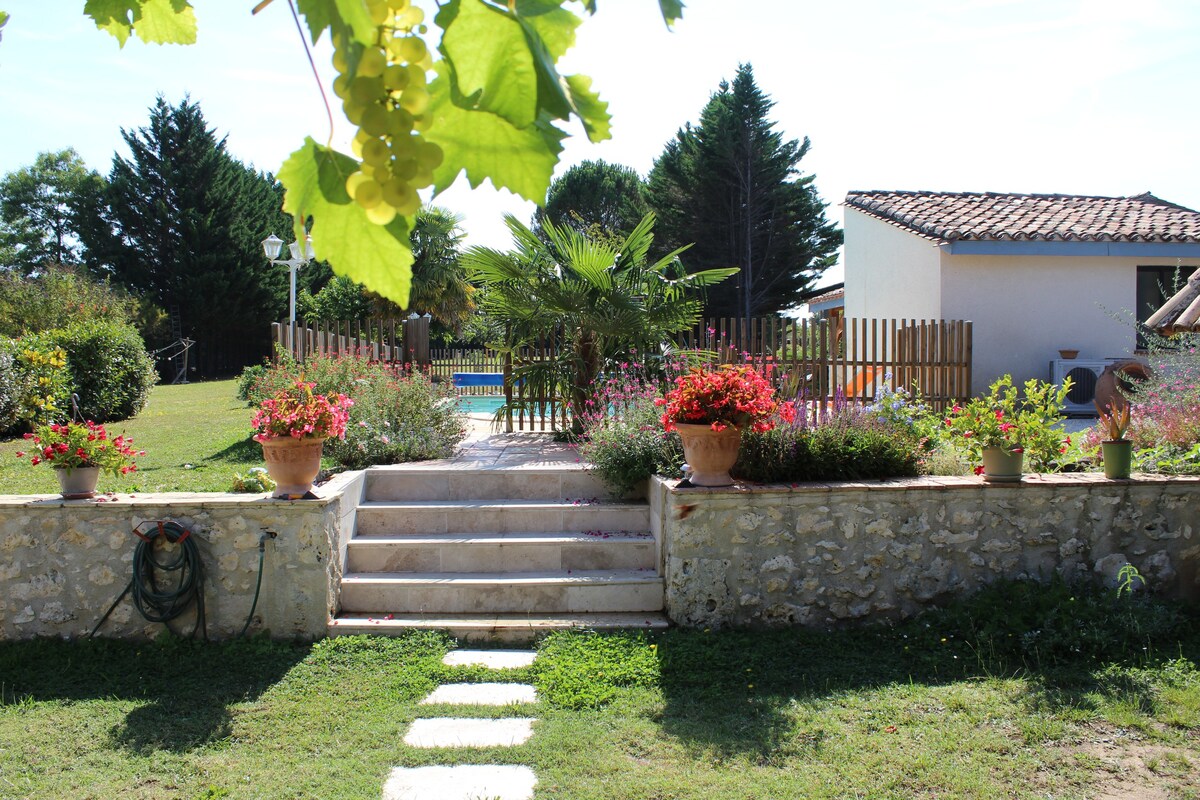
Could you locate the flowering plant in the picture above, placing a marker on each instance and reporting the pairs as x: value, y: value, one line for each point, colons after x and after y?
x: 1115, y: 421
x: 81, y: 444
x: 1015, y: 420
x: 730, y: 395
x: 299, y: 413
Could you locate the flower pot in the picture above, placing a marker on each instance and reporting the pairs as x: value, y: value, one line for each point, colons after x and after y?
x: 292, y: 463
x: 1118, y: 458
x: 1067, y: 355
x: 1001, y: 465
x: 710, y: 453
x: 78, y: 483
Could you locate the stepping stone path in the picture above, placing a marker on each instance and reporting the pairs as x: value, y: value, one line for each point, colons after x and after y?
x: 470, y: 781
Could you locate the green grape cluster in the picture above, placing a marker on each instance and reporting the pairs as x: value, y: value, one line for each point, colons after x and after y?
x: 383, y: 88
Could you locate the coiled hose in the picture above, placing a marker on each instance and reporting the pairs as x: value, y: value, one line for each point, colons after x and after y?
x: 153, y: 598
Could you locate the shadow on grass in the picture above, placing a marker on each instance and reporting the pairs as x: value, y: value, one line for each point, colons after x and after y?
x: 183, y: 689
x: 239, y: 452
x: 741, y: 692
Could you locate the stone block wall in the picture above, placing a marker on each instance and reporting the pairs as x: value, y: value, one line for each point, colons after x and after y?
x: 63, y: 563
x: 825, y: 554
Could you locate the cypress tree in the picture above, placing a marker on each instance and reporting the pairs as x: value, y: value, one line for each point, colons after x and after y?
x: 732, y: 185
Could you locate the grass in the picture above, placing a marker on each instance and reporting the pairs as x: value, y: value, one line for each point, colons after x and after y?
x: 876, y: 713
x: 196, y: 436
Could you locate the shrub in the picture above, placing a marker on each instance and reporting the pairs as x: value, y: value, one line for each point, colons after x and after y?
x: 397, y: 416
x: 247, y: 381
x: 847, y: 445
x: 33, y: 383
x: 1029, y: 419
x: 109, y: 368
x: 623, y: 438
x: 59, y: 298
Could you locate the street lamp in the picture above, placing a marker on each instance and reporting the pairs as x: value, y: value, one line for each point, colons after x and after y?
x: 301, y: 255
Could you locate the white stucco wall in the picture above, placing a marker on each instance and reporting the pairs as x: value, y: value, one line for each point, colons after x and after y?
x: 890, y: 274
x: 1025, y: 308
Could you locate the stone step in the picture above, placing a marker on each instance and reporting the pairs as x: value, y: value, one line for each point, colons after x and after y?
x: 481, y: 592
x: 508, y: 628
x: 441, y: 732
x: 498, y: 516
x: 501, y: 552
x: 461, y: 782
x: 560, y: 482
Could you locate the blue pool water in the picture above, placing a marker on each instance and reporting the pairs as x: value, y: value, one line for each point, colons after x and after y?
x: 480, y: 404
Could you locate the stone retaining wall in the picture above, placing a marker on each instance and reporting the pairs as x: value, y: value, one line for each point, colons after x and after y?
x: 63, y: 563
x: 824, y: 554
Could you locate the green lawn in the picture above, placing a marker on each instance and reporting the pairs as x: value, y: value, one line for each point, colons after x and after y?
x: 685, y: 714
x: 196, y: 436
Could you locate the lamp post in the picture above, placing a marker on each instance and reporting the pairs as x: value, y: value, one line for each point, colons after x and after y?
x: 301, y: 255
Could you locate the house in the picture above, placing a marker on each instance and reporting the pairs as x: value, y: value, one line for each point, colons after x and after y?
x: 1035, y: 273
x: 827, y: 303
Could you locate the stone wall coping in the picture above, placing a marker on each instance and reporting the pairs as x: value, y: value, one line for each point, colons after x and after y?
x: 327, y: 493
x: 931, y: 482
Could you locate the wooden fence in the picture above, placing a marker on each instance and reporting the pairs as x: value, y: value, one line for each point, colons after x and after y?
x: 851, y: 358
x: 820, y: 361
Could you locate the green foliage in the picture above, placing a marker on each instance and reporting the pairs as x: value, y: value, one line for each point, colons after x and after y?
x: 628, y: 447
x: 181, y: 223
x: 606, y: 300
x: 58, y: 297
x: 849, y: 445
x: 576, y: 670
x: 397, y: 416
x: 595, y: 195
x: 152, y: 21
x: 248, y: 380
x: 34, y: 384
x: 732, y: 185
x: 109, y: 368
x: 1029, y: 419
x: 255, y: 481
x: 39, y: 212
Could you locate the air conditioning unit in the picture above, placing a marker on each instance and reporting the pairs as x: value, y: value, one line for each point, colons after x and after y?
x: 1083, y: 374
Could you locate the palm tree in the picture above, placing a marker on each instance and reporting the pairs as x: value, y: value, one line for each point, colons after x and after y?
x: 601, y: 298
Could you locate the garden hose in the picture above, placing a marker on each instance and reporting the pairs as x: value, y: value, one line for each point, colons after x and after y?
x: 163, y: 604
x: 160, y: 605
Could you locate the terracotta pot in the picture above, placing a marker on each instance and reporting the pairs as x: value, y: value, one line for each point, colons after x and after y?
x: 78, y: 483
x: 710, y: 453
x: 1001, y: 465
x: 1067, y: 355
x: 293, y: 464
x: 1118, y: 458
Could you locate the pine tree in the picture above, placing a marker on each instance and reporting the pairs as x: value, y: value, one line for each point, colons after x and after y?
x: 732, y: 185
x: 595, y: 196
x: 181, y: 223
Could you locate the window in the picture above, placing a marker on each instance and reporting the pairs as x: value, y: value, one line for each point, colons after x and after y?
x: 1155, y: 285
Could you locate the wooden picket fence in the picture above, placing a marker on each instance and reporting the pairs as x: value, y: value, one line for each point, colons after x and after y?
x: 823, y: 362
x: 851, y: 359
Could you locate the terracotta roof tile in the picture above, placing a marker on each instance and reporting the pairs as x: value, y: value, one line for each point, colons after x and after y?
x: 991, y: 216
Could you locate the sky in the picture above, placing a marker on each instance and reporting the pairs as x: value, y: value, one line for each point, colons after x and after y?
x: 1057, y: 96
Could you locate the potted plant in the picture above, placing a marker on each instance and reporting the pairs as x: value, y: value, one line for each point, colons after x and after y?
x: 78, y: 452
x: 709, y: 409
x: 292, y: 427
x: 1116, y: 450
x: 998, y: 428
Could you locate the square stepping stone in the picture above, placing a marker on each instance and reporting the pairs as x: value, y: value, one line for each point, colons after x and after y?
x: 459, y: 732
x: 466, y: 782
x: 482, y: 694
x: 492, y: 659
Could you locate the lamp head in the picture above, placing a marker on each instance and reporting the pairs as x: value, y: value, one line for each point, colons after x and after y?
x: 271, y: 246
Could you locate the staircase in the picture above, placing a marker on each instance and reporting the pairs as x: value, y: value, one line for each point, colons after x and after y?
x: 501, y: 553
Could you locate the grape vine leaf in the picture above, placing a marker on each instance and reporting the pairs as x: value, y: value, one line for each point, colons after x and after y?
x: 672, y: 11
x: 152, y: 21
x: 337, y: 16
x: 553, y: 23
x: 591, y: 109
x: 377, y: 256
x: 493, y: 67
x: 484, y: 145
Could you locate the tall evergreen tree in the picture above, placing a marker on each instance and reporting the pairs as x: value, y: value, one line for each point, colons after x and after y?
x: 732, y: 185
x: 595, y: 196
x: 181, y: 222
x: 38, y: 220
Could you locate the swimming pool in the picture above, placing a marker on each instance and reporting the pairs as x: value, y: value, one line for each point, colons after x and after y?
x: 480, y: 404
